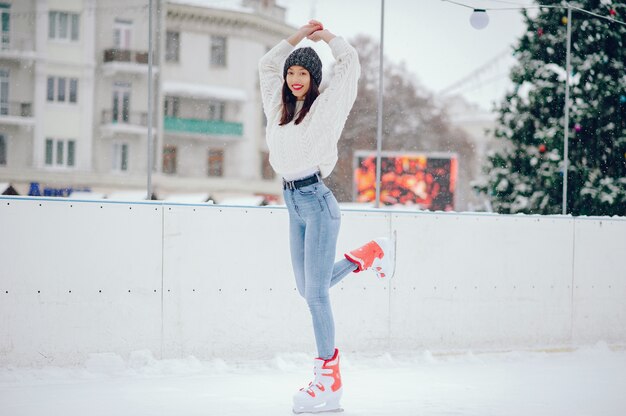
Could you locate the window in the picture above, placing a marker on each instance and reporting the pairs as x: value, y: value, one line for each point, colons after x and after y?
x: 5, y: 23
x: 216, y: 162
x: 73, y: 89
x: 121, y: 102
x: 218, y: 51
x: 169, y: 159
x: 71, y: 152
x: 50, y: 89
x: 52, y: 25
x: 49, y: 151
x: 120, y: 157
x: 61, y: 89
x: 267, y: 172
x: 63, y: 26
x: 216, y: 110
x: 74, y: 26
x: 65, y: 91
x: 122, y: 31
x: 3, y: 150
x: 172, y: 46
x: 60, y: 152
x: 171, y: 107
x: 60, y: 147
x: 4, y: 92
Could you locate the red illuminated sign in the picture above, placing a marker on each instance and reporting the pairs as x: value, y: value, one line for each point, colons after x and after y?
x: 426, y: 181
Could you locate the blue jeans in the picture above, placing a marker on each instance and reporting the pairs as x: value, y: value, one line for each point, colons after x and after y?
x: 314, y: 220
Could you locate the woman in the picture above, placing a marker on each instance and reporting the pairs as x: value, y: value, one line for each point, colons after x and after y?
x: 303, y: 128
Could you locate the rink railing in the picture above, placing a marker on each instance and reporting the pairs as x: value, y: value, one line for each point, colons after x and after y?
x: 81, y: 277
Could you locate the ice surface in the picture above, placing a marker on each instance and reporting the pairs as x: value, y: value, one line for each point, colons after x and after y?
x: 588, y: 381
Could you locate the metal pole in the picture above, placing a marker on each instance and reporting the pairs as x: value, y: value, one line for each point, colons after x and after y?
x: 568, y: 70
x: 379, y: 133
x: 150, y: 86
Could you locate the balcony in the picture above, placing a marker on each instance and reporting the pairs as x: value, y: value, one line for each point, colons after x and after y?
x: 124, y: 61
x: 17, y: 46
x: 124, y: 122
x: 202, y: 127
x: 17, y: 113
x: 125, y: 55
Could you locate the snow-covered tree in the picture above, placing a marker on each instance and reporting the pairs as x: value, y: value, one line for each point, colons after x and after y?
x: 527, y: 174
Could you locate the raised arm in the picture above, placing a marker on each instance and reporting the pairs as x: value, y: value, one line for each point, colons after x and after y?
x: 335, y: 102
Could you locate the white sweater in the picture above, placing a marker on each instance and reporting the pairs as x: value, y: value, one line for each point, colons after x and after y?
x: 312, y: 143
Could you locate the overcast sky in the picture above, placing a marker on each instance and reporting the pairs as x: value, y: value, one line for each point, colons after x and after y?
x: 433, y: 37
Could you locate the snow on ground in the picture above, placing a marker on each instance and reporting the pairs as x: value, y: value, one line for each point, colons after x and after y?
x: 587, y: 381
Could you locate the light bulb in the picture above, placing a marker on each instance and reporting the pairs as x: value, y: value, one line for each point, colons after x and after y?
x: 479, y: 19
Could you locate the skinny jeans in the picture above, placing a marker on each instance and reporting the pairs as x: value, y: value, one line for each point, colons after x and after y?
x: 314, y: 220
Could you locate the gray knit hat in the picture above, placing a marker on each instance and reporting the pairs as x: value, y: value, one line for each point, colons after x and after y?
x: 307, y: 58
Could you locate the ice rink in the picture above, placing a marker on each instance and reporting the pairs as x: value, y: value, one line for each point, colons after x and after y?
x: 586, y: 381
x: 477, y: 321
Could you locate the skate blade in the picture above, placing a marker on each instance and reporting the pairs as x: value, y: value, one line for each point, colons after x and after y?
x: 317, y: 412
x: 389, y: 260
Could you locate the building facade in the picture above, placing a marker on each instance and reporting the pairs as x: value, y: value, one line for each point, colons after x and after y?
x: 74, y: 77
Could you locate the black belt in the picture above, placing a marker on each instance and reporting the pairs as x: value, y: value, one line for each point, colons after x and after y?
x: 299, y: 183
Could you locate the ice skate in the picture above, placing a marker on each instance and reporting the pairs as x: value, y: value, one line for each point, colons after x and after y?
x: 324, y: 392
x: 378, y: 255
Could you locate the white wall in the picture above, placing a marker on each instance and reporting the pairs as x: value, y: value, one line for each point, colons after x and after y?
x: 215, y: 281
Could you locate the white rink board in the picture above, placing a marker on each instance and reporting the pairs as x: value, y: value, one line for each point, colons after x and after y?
x: 214, y: 281
x: 230, y: 290
x: 361, y: 300
x: 481, y: 281
x: 232, y: 287
x: 599, y: 281
x: 81, y: 277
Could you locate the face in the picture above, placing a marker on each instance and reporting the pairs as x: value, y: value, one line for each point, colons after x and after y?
x: 298, y: 80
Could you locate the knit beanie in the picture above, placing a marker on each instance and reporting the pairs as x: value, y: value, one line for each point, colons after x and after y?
x: 307, y: 58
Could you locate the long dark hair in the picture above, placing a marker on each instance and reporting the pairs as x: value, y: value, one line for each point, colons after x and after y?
x: 289, y: 103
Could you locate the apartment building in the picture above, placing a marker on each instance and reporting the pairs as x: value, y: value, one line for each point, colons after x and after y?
x: 74, y: 79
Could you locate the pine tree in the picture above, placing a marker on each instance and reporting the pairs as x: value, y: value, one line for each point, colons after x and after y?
x: 526, y: 174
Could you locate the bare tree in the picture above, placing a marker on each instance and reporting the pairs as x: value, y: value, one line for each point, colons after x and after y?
x: 412, y: 121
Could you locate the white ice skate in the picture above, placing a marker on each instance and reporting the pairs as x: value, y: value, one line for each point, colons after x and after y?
x: 324, y: 392
x: 378, y: 255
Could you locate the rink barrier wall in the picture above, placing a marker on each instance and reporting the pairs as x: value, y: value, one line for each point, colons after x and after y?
x: 82, y: 277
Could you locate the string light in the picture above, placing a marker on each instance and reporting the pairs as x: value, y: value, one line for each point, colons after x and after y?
x: 479, y: 17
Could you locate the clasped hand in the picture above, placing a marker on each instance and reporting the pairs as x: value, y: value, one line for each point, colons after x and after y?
x: 314, y: 30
